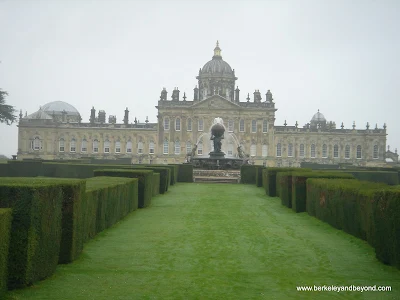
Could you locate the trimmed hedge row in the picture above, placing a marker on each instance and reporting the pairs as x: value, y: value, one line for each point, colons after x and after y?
x: 145, y: 181
x: 370, y: 211
x: 388, y: 177
x: 248, y: 174
x: 5, y: 230
x: 156, y: 184
x: 259, y: 175
x: 185, y: 172
x: 36, y: 230
x: 269, y: 179
x: 299, y: 187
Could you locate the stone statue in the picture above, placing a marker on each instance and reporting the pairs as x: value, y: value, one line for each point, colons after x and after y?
x: 194, y: 151
x: 240, y: 152
x: 217, y: 134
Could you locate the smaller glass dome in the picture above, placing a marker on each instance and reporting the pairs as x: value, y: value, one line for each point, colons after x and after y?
x: 57, y: 107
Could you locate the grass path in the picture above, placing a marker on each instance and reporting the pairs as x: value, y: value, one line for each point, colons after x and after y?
x: 217, y: 241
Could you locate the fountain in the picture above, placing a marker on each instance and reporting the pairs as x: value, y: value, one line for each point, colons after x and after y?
x: 217, y: 159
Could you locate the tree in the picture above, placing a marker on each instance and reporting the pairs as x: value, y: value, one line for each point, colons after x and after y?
x: 6, y: 111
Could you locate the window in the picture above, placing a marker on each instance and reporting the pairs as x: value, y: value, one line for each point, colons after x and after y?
x: 324, y: 151
x: 200, y: 148
x: 201, y: 125
x: 178, y: 124
x: 84, y: 145
x: 72, y: 145
x: 278, y: 150
x: 95, y: 146
x: 36, y: 144
x: 140, y: 148
x: 106, y: 146
x: 302, y: 152
x: 264, y: 151
x: 359, y: 152
x: 253, y: 126
x: 241, y: 125
x: 253, y: 150
x: 290, y: 150
x: 166, y: 123
x: 376, y: 152
x: 117, y: 147
x: 177, y: 147
x: 312, y: 150
x: 129, y: 147
x: 347, y: 152
x: 188, y: 147
x: 230, y: 125
x: 230, y: 149
x: 265, y: 126
x: 61, y: 145
x: 189, y: 124
x: 166, y: 147
x: 335, y: 151
x: 151, y: 147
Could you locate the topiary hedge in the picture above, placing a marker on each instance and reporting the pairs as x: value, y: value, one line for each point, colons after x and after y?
x: 259, y: 176
x: 165, y: 175
x: 248, y: 174
x: 269, y: 179
x: 5, y: 231
x: 145, y: 181
x: 284, y: 182
x: 36, y: 229
x: 299, y: 187
x: 156, y: 184
x: 185, y: 172
x: 388, y: 177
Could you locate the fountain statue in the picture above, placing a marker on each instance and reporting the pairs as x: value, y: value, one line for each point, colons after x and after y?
x: 217, y: 134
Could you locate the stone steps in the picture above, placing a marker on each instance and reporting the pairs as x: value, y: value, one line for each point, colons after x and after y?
x: 215, y: 179
x: 216, y: 176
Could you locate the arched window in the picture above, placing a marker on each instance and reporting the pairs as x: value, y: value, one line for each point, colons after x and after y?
x: 95, y: 146
x: 253, y: 150
x: 253, y: 126
x: 61, y: 145
x: 129, y: 147
x: 241, y: 125
x: 140, y: 147
x: 178, y: 124
x: 265, y: 126
x: 200, y: 148
x: 290, y: 150
x: 324, y: 151
x: 117, y: 147
x: 165, y: 147
x: 312, y: 151
x: 189, y: 124
x: 177, y: 147
x: 359, y: 152
x: 106, y: 146
x: 335, y: 151
x: 200, y: 125
x: 151, y: 147
x: 72, y: 145
x: 188, y: 147
x: 230, y: 126
x: 36, y: 144
x: 84, y: 146
x: 166, y: 123
x: 347, y: 152
x: 264, y: 150
x: 376, y: 152
x: 278, y: 150
x: 302, y: 152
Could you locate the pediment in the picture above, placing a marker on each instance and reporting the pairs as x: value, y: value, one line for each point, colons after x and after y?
x: 215, y: 102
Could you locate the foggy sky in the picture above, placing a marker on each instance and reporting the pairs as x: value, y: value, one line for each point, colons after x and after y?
x: 341, y: 57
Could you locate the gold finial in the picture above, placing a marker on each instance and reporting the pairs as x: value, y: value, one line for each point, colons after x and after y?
x: 217, y: 43
x: 217, y: 50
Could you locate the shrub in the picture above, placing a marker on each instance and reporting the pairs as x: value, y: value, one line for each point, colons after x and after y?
x: 259, y: 176
x: 145, y: 181
x: 299, y: 188
x: 5, y: 227
x: 248, y: 174
x: 269, y: 179
x: 185, y: 172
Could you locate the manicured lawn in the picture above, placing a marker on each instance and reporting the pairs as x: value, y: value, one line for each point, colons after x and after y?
x: 217, y: 241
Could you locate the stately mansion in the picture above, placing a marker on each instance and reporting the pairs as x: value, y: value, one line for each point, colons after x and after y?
x: 56, y: 130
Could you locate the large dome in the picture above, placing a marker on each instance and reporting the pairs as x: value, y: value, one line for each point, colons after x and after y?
x: 217, y: 65
x: 318, y: 117
x: 58, y: 107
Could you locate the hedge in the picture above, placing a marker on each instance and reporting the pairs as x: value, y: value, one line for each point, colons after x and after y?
x: 156, y: 184
x: 299, y: 188
x: 248, y: 174
x: 18, y: 168
x: 370, y: 211
x: 36, y: 230
x: 185, y: 172
x: 284, y: 181
x: 5, y: 227
x: 388, y: 177
x: 269, y: 179
x: 145, y: 181
x: 165, y: 175
x: 259, y: 176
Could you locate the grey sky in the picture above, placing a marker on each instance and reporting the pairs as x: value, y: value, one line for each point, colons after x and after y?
x: 341, y: 57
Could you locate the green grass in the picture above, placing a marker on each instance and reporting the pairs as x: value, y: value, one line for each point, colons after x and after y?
x: 216, y: 241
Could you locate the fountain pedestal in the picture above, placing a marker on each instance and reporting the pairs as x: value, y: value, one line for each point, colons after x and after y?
x: 217, y: 155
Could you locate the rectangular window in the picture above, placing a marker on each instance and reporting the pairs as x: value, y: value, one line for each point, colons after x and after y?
x: 95, y: 146
x: 140, y: 148
x: 376, y: 152
x: 129, y: 147
x: 241, y: 125
x: 347, y: 152
x: 177, y: 147
x: 313, y: 151
x: 36, y: 144
x: 166, y: 123
x: 302, y: 152
x: 151, y: 148
x: 335, y: 151
x: 324, y: 151
x: 84, y: 146
x: 73, y: 146
x: 117, y: 147
x: 278, y: 150
x: 200, y: 149
x: 264, y: 150
x: 188, y: 147
x: 253, y: 126
x: 189, y: 124
x: 165, y: 147
x: 178, y: 124
x: 290, y: 150
x: 201, y: 125
x: 265, y: 126
x: 61, y: 146
x: 359, y: 152
x: 230, y: 125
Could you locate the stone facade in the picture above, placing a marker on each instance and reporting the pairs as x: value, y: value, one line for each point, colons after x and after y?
x: 56, y: 130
